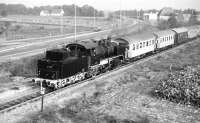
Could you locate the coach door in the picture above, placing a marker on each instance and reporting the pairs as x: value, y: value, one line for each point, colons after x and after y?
x: 126, y: 53
x: 156, y: 45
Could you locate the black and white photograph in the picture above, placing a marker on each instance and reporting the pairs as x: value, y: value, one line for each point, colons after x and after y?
x: 99, y: 61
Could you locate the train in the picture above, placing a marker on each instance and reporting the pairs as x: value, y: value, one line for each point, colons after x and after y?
x: 85, y: 59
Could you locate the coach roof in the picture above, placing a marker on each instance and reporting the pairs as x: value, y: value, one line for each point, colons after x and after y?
x: 137, y: 37
x: 164, y: 33
x: 180, y: 30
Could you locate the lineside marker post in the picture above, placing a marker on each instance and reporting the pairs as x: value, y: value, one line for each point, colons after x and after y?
x: 42, y: 91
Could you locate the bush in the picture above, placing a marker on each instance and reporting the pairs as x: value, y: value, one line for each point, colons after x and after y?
x: 25, y: 67
x: 181, y: 86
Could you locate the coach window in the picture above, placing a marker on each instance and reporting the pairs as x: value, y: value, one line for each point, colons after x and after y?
x: 140, y: 45
x: 137, y: 46
x: 133, y: 46
x: 143, y: 44
x: 147, y: 43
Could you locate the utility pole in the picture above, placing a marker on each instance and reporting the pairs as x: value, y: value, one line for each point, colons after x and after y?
x: 75, y: 20
x: 120, y: 13
x: 94, y: 18
x: 61, y: 22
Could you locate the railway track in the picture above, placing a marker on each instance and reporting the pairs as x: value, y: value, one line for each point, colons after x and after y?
x: 37, y: 96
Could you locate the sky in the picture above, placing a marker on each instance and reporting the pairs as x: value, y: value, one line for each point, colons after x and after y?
x: 112, y: 5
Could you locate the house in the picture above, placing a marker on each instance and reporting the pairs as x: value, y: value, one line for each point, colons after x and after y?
x: 57, y: 12
x: 186, y: 17
x: 54, y: 12
x: 164, y: 17
x: 150, y: 16
x: 44, y: 13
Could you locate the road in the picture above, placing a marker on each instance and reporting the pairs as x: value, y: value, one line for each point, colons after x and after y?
x: 12, y: 43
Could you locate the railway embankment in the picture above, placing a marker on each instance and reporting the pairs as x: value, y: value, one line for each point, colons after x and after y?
x: 124, y: 96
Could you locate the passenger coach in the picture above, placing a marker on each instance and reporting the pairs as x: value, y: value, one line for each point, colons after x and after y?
x: 193, y: 31
x: 164, y: 38
x: 137, y: 45
x: 181, y: 34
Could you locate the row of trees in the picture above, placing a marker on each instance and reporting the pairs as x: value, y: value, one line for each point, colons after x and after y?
x: 175, y: 21
x: 85, y: 10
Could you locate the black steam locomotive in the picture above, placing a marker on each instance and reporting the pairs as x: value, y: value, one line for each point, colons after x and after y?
x: 78, y: 61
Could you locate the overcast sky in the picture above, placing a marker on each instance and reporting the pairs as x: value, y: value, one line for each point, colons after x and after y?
x: 114, y: 4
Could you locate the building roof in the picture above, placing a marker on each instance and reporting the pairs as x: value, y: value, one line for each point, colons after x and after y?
x: 180, y: 30
x: 56, y: 11
x: 53, y: 11
x: 164, y: 33
x: 135, y: 38
x: 45, y: 11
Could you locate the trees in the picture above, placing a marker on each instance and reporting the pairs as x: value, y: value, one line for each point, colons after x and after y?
x: 20, y: 9
x: 172, y: 22
x: 193, y: 18
x: 4, y: 13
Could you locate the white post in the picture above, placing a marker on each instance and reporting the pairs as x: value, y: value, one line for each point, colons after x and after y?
x: 42, y: 91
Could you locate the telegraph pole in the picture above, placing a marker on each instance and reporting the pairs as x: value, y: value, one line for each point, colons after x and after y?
x: 75, y: 20
x: 120, y: 13
x: 94, y: 18
x: 61, y: 19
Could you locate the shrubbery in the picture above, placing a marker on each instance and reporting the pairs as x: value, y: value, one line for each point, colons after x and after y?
x: 181, y: 87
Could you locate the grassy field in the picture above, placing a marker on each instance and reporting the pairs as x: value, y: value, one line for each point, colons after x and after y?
x: 22, y: 68
x: 127, y: 97
x: 20, y: 31
x: 33, y: 31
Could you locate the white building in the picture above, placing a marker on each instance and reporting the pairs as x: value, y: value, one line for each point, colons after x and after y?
x: 164, y: 17
x: 186, y: 17
x: 57, y: 12
x: 54, y: 12
x: 44, y: 13
x: 151, y: 16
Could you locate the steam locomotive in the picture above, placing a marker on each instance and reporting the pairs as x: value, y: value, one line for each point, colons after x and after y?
x: 78, y: 61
